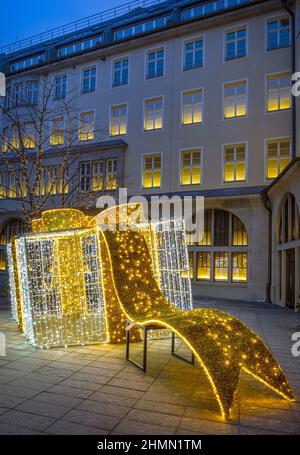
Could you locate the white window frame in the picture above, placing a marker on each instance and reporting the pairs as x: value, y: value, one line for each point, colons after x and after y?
x: 60, y: 75
x: 235, y: 28
x: 145, y: 100
x: 110, y: 119
x: 272, y: 19
x: 151, y: 188
x: 246, y: 95
x: 190, y: 40
x: 274, y: 139
x: 149, y: 51
x: 182, y: 105
x: 116, y: 60
x: 82, y: 79
x: 234, y: 144
x: 80, y: 124
x: 191, y: 149
x: 267, y: 76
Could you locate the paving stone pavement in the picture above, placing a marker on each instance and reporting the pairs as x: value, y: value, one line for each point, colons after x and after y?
x: 92, y: 390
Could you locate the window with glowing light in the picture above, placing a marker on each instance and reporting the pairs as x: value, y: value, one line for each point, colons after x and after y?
x: 193, y: 54
x: 5, y: 139
x: 235, y: 99
x: 234, y: 163
x: 15, y: 140
x: 191, y: 263
x: 118, y: 120
x: 91, y: 175
x: 153, y: 114
x: 12, y: 184
x: 278, y: 92
x: 54, y: 180
x: 191, y: 167
x: 151, y: 171
x: 57, y: 136
x: 222, y: 253
x: 192, y: 107
x: 87, y: 126
x: 29, y: 135
x: 11, y: 229
x: 111, y: 174
x: 278, y: 156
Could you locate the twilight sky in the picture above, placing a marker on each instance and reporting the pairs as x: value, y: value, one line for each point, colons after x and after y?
x: 23, y: 18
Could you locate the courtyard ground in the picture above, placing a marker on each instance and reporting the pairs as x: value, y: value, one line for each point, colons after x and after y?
x: 92, y: 390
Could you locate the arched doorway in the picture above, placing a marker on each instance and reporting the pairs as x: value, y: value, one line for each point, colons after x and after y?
x: 221, y: 256
x: 11, y: 228
x: 288, y: 252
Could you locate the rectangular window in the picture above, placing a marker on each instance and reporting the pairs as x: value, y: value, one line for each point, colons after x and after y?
x: 151, y: 171
x: 221, y: 266
x: 60, y: 87
x: 206, y: 239
x: 278, y: 156
x: 5, y: 139
x: 155, y: 63
x: 12, y: 185
x: 278, y: 33
x: 203, y: 266
x: 91, y: 175
x: 120, y: 72
x: 118, y: 120
x: 221, y: 228
x: 193, y: 54
x: 89, y: 80
x: 239, y: 233
x: 192, y: 107
x: 235, y: 99
x: 18, y: 94
x: 8, y: 98
x: 191, y: 167
x: 239, y: 267
x: 29, y: 136
x: 52, y: 181
x: 235, y: 163
x: 153, y: 114
x: 111, y: 174
x: 87, y: 126
x: 235, y: 43
x: 98, y: 175
x: 191, y: 263
x: 15, y: 138
x: 32, y: 93
x: 57, y: 136
x: 278, y: 92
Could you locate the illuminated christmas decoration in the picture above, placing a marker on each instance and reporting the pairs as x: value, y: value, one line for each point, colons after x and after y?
x: 109, y: 273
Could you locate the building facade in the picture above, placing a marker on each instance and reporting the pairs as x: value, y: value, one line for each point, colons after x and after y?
x: 167, y: 98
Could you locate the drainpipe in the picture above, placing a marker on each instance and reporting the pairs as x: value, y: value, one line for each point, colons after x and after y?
x: 286, y: 6
x: 267, y: 204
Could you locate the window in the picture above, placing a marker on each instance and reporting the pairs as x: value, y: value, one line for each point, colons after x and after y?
x: 32, y: 93
x: 221, y: 254
x: 191, y: 167
x: 8, y: 98
x: 278, y: 156
x: 87, y: 126
x: 278, y: 92
x: 235, y: 43
x: 12, y: 184
x: 118, y: 120
x: 57, y: 136
x: 60, y: 87
x: 140, y: 28
x: 155, y: 63
x: 15, y: 138
x: 11, y: 229
x: 192, y: 107
x: 89, y: 80
x: 221, y: 266
x: 29, y: 136
x: 203, y: 266
x: 151, y: 171
x: 289, y: 227
x: 80, y: 46
x: 92, y: 175
x: 235, y: 99
x: 153, y: 114
x: 278, y: 33
x: 193, y: 54
x: 235, y: 163
x: 111, y: 174
x: 5, y: 139
x: 18, y: 94
x: 191, y: 263
x: 30, y: 61
x: 120, y: 72
x: 239, y: 267
x: 53, y: 181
